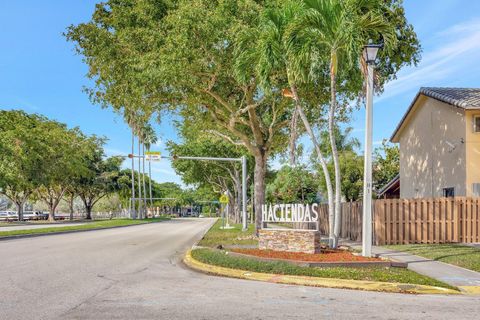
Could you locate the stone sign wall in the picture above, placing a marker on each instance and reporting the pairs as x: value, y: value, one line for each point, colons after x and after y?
x: 306, y: 241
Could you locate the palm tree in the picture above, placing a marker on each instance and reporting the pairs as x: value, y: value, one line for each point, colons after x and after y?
x: 271, y: 56
x: 130, y: 120
x: 338, y: 30
x: 150, y: 138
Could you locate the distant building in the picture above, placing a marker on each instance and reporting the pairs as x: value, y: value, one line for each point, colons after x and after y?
x: 439, y: 139
x: 391, y: 190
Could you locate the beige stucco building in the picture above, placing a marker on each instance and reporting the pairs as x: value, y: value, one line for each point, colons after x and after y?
x: 439, y: 139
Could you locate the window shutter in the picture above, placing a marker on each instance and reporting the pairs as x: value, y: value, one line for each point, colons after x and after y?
x: 476, y: 123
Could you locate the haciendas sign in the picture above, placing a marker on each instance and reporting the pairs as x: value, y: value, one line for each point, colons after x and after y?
x: 295, y: 212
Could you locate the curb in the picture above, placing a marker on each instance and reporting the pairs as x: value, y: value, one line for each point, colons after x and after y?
x: 33, y: 235
x: 470, y: 290
x: 314, y: 281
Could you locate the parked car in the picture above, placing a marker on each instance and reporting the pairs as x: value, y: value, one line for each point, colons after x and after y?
x: 8, y: 215
x: 44, y: 215
x: 34, y: 215
x: 29, y: 215
x: 3, y: 215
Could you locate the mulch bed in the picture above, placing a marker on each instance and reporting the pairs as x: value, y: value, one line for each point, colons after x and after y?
x: 325, y: 256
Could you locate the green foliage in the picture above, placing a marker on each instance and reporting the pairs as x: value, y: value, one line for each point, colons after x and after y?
x: 351, y: 163
x: 219, y: 176
x: 222, y: 65
x: 386, y: 164
x: 147, y: 56
x: 398, y: 275
x: 216, y: 236
x: 330, y: 35
x: 24, y: 148
x: 40, y: 157
x: 170, y: 190
x: 115, y: 44
x: 293, y: 185
x: 101, y: 180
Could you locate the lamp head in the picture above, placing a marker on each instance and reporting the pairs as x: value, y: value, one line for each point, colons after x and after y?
x: 370, y: 52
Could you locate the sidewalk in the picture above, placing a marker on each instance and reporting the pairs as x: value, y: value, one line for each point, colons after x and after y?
x: 466, y: 280
x: 39, y: 226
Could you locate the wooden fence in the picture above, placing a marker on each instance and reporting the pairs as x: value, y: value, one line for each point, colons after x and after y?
x: 403, y: 221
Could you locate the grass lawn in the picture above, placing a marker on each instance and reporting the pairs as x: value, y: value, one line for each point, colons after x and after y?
x: 457, y: 254
x: 398, y: 275
x: 216, y: 236
x: 100, y: 224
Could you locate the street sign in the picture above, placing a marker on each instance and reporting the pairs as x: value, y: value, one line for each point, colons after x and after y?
x: 153, y: 156
x: 223, y: 199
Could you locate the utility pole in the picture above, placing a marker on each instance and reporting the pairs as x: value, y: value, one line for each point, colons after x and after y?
x: 150, y: 181
x: 140, y: 204
x: 133, y: 210
x: 242, y: 160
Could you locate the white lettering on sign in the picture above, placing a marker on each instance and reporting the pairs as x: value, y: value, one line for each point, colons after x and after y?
x: 295, y: 212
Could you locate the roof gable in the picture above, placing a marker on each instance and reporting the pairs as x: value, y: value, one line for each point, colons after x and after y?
x: 464, y: 98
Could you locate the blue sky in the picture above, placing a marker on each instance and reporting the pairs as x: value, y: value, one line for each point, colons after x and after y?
x: 40, y: 73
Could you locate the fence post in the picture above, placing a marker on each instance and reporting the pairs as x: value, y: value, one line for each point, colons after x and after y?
x: 456, y: 221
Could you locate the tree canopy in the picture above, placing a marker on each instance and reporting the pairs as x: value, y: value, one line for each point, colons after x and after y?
x: 231, y: 67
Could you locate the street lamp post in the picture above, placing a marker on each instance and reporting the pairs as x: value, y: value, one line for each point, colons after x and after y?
x: 369, y: 54
x: 244, y: 193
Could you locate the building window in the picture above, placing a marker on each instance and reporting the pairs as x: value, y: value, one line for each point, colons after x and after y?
x: 476, y: 124
x: 476, y: 189
x: 448, y: 192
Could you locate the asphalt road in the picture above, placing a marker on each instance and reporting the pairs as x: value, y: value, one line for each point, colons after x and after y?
x: 136, y: 273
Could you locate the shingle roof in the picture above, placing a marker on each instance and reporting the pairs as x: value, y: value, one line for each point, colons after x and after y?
x: 465, y: 98
x: 388, y: 185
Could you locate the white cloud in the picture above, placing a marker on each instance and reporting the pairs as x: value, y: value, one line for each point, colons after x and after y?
x: 463, y: 27
x: 114, y: 152
x: 460, y: 47
x: 357, y: 130
x: 159, y: 143
x: 164, y: 171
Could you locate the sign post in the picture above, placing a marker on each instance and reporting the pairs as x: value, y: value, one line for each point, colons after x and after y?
x: 224, y: 200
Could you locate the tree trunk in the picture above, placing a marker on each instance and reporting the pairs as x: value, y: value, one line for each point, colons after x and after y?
x: 336, y: 162
x: 259, y: 187
x: 293, y: 137
x: 70, y: 206
x: 231, y: 207
x: 140, y: 203
x: 52, y: 208
x: 88, y: 209
x: 19, y: 205
x: 323, y: 163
